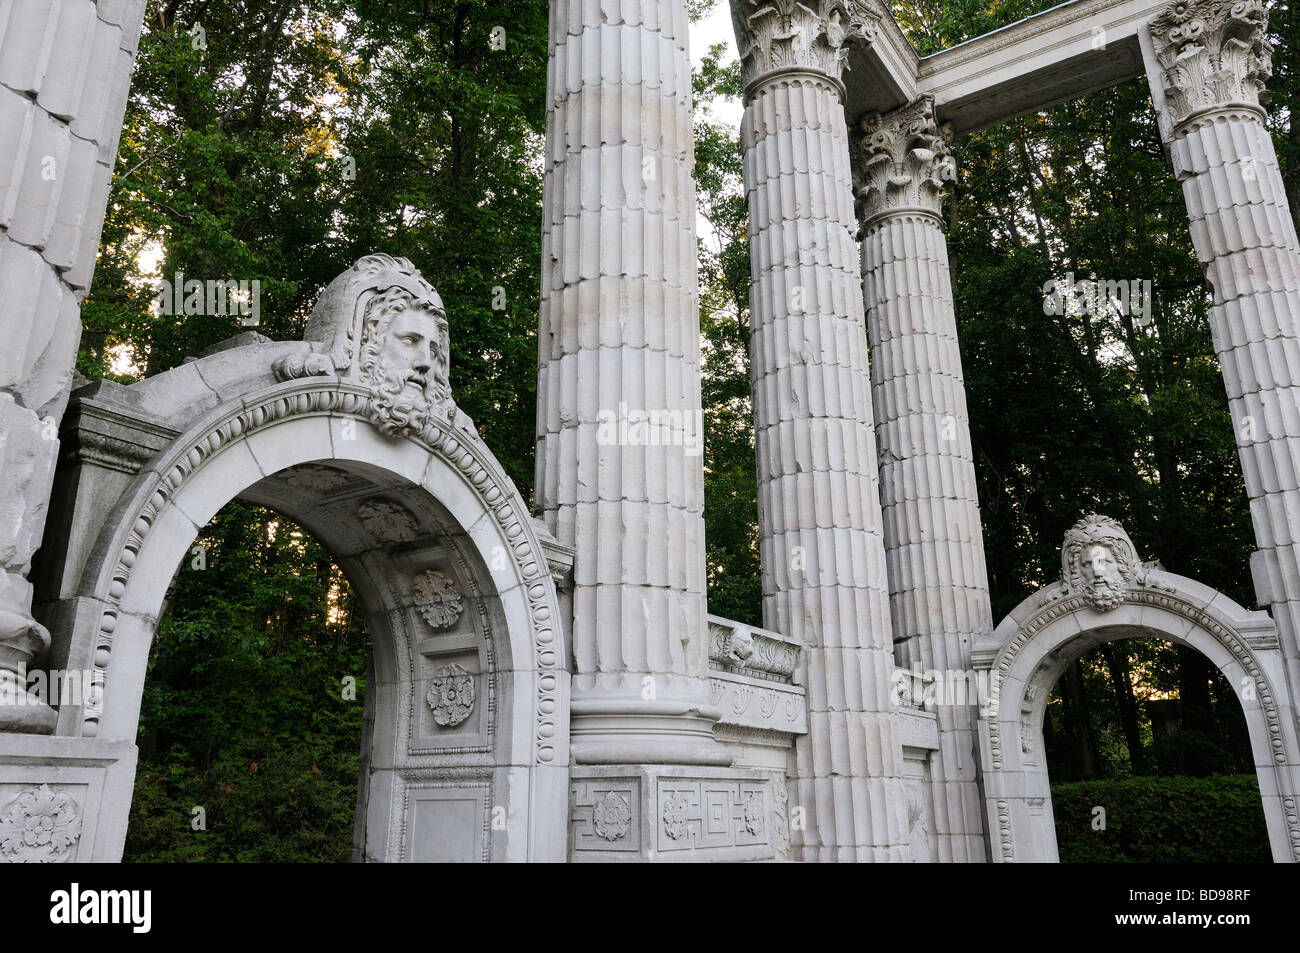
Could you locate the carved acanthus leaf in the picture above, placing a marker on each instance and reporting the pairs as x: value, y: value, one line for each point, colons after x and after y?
x: 903, y: 161
x: 1213, y: 53
x: 804, y: 34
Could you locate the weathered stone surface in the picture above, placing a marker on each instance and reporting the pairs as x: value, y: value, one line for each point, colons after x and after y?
x: 819, y: 511
x: 1208, y: 62
x: 933, y: 543
x: 619, y: 465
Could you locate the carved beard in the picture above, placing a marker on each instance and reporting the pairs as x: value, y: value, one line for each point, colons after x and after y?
x: 392, y: 407
x: 1105, y: 593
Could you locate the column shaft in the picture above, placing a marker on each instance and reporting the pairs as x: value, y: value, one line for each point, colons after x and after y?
x: 819, y: 508
x: 1207, y: 63
x: 619, y: 466
x: 65, y: 69
x: 934, y: 547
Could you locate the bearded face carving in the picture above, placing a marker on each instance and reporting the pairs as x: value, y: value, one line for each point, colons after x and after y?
x: 1099, y: 561
x: 403, y: 360
x: 381, y: 325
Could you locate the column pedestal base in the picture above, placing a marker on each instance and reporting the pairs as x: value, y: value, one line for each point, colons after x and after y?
x: 642, y: 813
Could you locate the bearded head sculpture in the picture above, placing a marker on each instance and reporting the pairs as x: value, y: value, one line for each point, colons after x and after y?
x: 1099, y: 561
x: 381, y: 325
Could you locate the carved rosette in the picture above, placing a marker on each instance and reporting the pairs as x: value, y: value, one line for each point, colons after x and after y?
x: 390, y: 522
x: 438, y: 599
x: 611, y: 816
x: 39, y: 827
x: 902, y: 162
x: 676, y: 816
x: 451, y: 695
x: 1213, y: 53
x: 814, y: 35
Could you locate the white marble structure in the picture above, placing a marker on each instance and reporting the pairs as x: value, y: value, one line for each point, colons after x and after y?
x: 552, y: 687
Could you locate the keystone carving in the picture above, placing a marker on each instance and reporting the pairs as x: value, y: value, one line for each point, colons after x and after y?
x: 382, y: 325
x: 1213, y: 53
x: 903, y: 161
x: 1099, y: 562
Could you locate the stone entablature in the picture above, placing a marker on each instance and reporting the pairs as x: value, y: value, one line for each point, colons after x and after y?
x: 1213, y: 54
x: 752, y: 679
x: 902, y: 163
x: 808, y: 35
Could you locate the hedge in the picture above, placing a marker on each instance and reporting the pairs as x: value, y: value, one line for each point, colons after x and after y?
x: 1216, y: 819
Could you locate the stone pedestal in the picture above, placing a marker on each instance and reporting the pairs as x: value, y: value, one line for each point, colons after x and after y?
x: 692, y: 814
x: 65, y: 69
x: 1207, y: 62
x: 819, y: 511
x: 619, y: 456
x: 934, y: 547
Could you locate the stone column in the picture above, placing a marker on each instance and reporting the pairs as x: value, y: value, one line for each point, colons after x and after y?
x: 1207, y: 63
x: 65, y: 69
x: 938, y: 583
x: 819, y: 510
x: 619, y: 468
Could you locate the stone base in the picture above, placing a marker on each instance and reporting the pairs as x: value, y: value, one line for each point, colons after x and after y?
x: 67, y: 798
x: 642, y: 813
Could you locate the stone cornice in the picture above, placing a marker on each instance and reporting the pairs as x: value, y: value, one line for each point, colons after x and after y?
x: 901, y: 162
x: 1212, y: 54
x: 777, y: 36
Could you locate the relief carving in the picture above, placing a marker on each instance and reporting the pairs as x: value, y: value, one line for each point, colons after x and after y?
x: 903, y: 161
x: 383, y: 326
x: 1099, y: 562
x: 438, y: 599
x: 676, y: 816
x: 612, y: 816
x: 451, y: 695
x: 39, y: 827
x: 1213, y: 53
x: 807, y: 34
x: 390, y: 522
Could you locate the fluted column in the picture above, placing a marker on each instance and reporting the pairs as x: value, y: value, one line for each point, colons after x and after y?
x: 1207, y: 63
x: 938, y: 583
x: 65, y: 69
x: 619, y: 466
x: 819, y: 508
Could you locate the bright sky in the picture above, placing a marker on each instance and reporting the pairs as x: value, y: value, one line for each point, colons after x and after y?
x: 713, y: 29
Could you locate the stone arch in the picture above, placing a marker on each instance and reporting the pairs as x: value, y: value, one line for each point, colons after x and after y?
x: 449, y: 483
x: 1023, y: 658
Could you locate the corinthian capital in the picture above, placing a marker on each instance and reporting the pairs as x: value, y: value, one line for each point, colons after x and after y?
x: 800, y: 34
x: 1212, y: 53
x: 902, y: 161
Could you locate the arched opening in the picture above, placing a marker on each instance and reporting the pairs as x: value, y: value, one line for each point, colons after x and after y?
x: 1031, y: 649
x: 463, y: 754
x: 438, y: 653
x: 1149, y: 759
x: 252, y: 716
